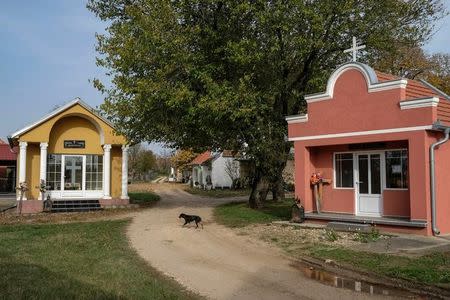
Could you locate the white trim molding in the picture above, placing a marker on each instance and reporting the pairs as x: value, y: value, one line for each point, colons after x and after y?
x: 124, y: 195
x: 419, y: 103
x: 359, y: 133
x: 43, y: 167
x: 297, y: 119
x: 60, y: 110
x: 107, y: 171
x: 22, y: 166
x: 369, y: 74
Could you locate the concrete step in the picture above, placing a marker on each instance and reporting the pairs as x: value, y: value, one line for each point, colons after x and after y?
x: 350, y: 227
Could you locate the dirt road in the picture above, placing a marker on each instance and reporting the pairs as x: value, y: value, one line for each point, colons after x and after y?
x: 216, y: 262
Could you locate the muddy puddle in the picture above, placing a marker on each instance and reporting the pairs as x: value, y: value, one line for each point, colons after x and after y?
x: 337, y: 281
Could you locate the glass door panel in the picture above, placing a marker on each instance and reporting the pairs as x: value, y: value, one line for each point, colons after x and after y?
x: 363, y: 165
x: 73, y: 173
x: 375, y: 174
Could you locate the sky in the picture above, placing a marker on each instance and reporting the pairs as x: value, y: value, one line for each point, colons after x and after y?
x: 47, y: 51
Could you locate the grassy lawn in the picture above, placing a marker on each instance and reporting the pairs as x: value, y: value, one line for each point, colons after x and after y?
x: 218, y: 193
x: 143, y: 198
x: 433, y: 269
x: 238, y: 214
x: 77, y: 261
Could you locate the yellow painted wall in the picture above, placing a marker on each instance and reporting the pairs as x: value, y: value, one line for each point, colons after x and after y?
x: 41, y: 133
x: 74, y: 128
x: 33, y: 165
x: 75, y: 123
x: 116, y: 172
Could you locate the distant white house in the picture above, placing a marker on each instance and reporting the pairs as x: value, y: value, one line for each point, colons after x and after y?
x: 215, y: 169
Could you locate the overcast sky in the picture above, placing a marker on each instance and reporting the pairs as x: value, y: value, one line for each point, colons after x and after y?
x: 48, y: 55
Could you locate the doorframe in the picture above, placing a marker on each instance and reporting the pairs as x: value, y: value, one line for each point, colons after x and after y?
x: 76, y: 194
x: 382, y: 180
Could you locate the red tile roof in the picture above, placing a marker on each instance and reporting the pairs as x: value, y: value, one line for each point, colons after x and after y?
x: 414, y: 89
x: 385, y: 76
x: 5, y: 152
x: 201, y: 158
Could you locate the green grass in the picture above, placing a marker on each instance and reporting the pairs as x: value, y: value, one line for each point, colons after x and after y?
x: 218, y: 193
x: 238, y: 214
x: 143, y: 198
x: 429, y: 269
x: 433, y: 269
x: 77, y: 261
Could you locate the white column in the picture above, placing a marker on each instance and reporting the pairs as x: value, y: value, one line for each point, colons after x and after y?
x: 124, y: 172
x: 22, y: 165
x: 106, y: 171
x: 43, y: 167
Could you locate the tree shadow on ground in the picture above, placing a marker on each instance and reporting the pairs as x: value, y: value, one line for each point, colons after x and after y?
x: 31, y: 281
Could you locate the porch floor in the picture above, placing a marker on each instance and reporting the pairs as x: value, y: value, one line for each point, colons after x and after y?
x: 405, y: 222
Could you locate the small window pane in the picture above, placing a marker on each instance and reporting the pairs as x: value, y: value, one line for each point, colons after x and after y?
x: 397, y: 169
x: 94, y: 175
x: 344, y: 170
x: 54, y: 172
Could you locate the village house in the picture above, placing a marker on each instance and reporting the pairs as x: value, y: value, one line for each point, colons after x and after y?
x: 77, y: 154
x: 381, y: 141
x: 215, y: 169
x: 7, y: 168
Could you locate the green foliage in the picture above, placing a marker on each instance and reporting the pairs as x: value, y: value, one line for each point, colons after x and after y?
x: 77, y: 261
x: 238, y: 214
x: 224, y: 74
x: 218, y: 193
x: 143, y: 198
x: 141, y: 161
x: 430, y: 269
x: 414, y: 63
x: 182, y: 158
x: 364, y: 237
x: 331, y: 235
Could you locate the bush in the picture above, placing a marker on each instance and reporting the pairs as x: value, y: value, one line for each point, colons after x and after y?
x: 331, y: 235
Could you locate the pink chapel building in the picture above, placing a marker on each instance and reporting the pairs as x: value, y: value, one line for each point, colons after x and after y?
x: 382, y: 141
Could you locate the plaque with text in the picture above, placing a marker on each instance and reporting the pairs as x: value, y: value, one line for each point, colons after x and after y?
x: 74, y: 144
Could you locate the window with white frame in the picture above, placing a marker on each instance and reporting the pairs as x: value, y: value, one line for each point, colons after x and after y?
x: 94, y: 172
x: 397, y: 169
x: 54, y: 172
x: 343, y: 163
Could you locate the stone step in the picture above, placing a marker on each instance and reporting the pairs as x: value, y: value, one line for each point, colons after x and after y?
x: 75, y: 205
x: 350, y: 227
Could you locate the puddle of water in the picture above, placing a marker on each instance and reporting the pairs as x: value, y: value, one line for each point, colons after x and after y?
x: 336, y: 281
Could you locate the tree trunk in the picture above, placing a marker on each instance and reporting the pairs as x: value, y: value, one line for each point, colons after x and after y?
x: 278, y: 189
x: 260, y: 189
x: 277, y: 184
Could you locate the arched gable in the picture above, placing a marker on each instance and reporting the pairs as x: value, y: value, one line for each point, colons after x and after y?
x: 369, y: 75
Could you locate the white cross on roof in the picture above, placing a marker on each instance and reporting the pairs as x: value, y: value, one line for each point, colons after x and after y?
x: 354, y: 49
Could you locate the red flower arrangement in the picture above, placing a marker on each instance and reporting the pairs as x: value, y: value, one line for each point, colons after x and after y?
x: 316, y: 178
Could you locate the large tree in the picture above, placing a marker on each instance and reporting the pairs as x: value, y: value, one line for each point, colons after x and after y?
x: 224, y: 74
x: 414, y: 63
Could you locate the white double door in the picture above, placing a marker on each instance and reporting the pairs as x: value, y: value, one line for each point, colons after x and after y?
x: 369, y: 183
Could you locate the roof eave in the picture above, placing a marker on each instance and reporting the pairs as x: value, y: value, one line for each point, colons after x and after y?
x: 57, y: 111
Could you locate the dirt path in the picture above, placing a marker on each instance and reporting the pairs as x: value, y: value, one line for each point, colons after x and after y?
x: 216, y: 262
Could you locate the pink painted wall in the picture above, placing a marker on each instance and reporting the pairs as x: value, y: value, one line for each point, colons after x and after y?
x: 342, y: 200
x: 352, y: 108
x: 334, y: 200
x: 442, y: 185
x: 396, y: 203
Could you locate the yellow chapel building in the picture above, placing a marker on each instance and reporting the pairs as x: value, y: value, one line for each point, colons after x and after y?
x: 76, y: 154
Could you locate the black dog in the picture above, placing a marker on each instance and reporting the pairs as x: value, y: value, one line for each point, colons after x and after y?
x: 190, y: 218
